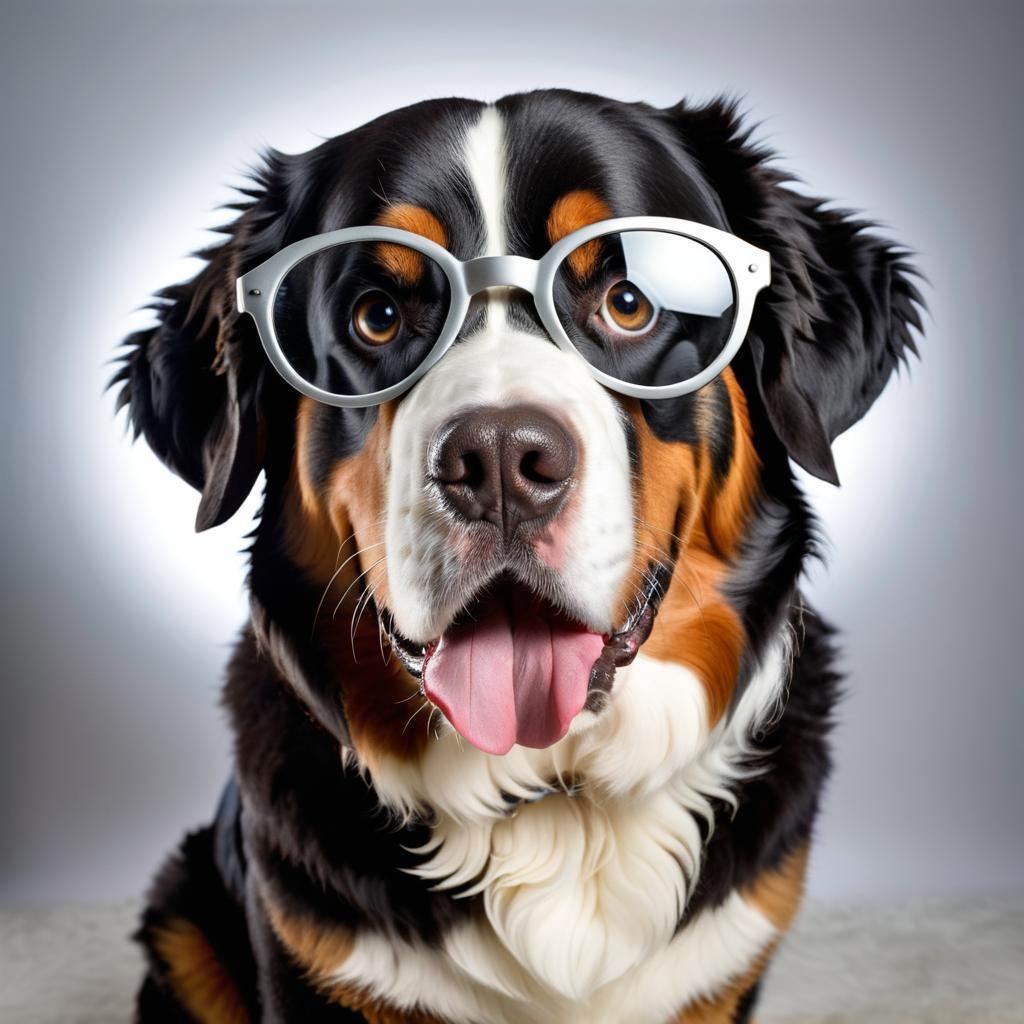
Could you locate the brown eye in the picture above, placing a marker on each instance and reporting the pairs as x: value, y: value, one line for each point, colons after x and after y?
x: 376, y: 318
x: 626, y: 309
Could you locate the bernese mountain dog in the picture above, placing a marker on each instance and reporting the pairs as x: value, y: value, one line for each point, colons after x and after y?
x: 530, y: 717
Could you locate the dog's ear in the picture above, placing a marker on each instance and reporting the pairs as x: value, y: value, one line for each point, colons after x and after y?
x: 193, y: 382
x: 837, y: 316
x: 191, y: 388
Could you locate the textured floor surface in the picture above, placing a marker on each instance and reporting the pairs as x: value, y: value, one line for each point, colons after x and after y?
x: 931, y: 962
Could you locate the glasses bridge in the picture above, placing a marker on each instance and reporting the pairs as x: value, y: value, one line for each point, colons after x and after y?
x: 500, y: 272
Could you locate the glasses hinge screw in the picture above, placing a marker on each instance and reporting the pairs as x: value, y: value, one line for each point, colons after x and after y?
x: 752, y: 268
x: 255, y: 291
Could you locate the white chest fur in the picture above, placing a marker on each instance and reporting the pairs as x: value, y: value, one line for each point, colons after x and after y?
x: 472, y: 978
x: 580, y: 893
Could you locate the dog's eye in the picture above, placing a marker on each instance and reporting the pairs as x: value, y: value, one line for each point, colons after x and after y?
x: 626, y: 309
x: 376, y: 318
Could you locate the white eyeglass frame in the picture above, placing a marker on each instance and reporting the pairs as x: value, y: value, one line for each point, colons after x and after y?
x: 748, y: 267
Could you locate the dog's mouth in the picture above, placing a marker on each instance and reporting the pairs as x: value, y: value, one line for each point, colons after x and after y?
x: 514, y: 668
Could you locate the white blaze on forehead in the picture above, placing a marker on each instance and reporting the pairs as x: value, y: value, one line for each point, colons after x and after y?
x: 485, y: 165
x: 484, y: 155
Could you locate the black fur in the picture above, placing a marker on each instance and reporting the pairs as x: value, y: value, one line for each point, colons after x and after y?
x: 825, y: 337
x: 326, y: 848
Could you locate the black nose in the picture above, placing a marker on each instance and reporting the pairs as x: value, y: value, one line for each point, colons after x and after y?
x: 507, y: 466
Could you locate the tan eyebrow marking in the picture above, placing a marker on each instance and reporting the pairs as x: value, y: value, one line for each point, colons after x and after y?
x: 571, y: 212
x: 405, y: 264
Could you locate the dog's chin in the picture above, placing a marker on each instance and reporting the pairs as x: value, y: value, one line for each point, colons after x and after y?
x: 512, y: 667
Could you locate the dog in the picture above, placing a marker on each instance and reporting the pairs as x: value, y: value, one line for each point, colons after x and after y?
x: 531, y: 720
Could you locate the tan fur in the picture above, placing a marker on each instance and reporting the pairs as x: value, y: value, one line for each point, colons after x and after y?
x: 324, y: 530
x: 695, y: 627
x: 386, y: 712
x: 311, y: 538
x: 404, y: 263
x: 777, y: 895
x: 379, y: 695
x: 200, y: 981
x: 679, y: 503
x: 730, y: 509
x: 356, y: 494
x: 320, y: 950
x: 571, y: 212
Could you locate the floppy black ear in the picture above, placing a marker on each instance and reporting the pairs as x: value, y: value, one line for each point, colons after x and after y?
x: 837, y: 317
x: 193, y: 383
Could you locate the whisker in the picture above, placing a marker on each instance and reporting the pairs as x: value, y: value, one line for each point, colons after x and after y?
x: 357, y: 614
x: 415, y: 693
x: 330, y: 582
x: 430, y: 718
x: 423, y: 705
x: 353, y: 583
x: 658, y: 529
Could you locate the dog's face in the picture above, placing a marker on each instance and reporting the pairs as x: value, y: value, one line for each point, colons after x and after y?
x: 518, y: 530
x: 512, y: 511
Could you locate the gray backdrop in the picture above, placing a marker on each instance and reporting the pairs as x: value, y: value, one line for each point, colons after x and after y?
x: 124, y: 124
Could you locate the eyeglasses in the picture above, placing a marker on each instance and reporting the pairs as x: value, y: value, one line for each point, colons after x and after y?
x: 657, y: 307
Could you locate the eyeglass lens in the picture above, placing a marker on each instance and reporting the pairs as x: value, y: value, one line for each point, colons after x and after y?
x: 361, y: 316
x: 646, y: 307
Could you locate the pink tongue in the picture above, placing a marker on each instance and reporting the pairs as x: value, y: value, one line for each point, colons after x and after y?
x: 512, y: 675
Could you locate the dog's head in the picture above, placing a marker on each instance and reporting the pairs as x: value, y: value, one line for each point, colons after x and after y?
x: 515, y: 529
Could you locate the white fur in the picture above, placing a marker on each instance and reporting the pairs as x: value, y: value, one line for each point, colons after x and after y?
x: 472, y: 979
x: 577, y: 891
x: 484, y: 156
